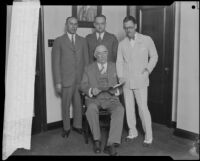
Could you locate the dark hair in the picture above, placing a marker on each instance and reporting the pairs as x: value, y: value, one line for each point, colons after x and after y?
x: 130, y: 18
x: 69, y: 18
x: 100, y: 16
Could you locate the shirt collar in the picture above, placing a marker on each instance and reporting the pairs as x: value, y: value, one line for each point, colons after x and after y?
x: 105, y: 65
x: 136, y: 37
x: 70, y: 35
x: 97, y: 35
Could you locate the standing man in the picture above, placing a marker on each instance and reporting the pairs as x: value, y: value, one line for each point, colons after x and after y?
x: 136, y: 58
x: 100, y: 36
x: 69, y: 56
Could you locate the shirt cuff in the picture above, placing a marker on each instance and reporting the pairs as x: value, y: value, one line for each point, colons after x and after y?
x: 90, y: 92
x: 117, y: 93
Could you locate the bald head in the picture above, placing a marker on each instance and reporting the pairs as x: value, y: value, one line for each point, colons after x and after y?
x: 101, y: 53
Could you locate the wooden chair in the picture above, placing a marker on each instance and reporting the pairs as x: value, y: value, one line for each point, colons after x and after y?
x: 104, y: 116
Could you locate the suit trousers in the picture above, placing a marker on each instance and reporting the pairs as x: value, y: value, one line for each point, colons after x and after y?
x: 141, y: 98
x: 116, y: 124
x: 71, y: 95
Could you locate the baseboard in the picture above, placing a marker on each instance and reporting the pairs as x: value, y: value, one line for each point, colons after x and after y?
x: 185, y: 134
x: 173, y: 124
x: 56, y: 125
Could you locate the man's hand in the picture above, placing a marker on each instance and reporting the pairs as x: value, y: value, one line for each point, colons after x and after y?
x: 145, y: 70
x: 121, y: 80
x: 58, y: 88
x: 95, y: 91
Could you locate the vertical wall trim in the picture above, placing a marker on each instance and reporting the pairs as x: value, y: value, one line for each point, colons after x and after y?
x: 176, y: 62
x: 44, y: 111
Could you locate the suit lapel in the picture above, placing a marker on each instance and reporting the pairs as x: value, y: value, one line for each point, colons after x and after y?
x: 77, y: 44
x: 128, y: 48
x: 109, y: 72
x: 105, y: 36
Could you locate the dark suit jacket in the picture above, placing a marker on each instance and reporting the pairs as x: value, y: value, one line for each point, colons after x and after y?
x: 109, y: 40
x: 90, y: 80
x: 68, y: 63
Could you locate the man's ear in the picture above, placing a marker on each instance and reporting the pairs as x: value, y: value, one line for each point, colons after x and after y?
x: 135, y: 26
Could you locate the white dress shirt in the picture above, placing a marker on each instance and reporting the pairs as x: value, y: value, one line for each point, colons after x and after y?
x: 102, y: 72
x: 70, y: 36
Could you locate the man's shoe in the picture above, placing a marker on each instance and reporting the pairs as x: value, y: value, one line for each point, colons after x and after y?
x: 111, y: 150
x: 130, y: 137
x: 147, y: 143
x: 97, y: 146
x: 78, y: 130
x: 65, y: 133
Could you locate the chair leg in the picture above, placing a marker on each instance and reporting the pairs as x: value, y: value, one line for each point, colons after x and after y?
x: 86, y: 130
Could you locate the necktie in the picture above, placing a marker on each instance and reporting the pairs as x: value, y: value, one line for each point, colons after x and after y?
x: 73, y: 43
x: 102, y: 68
x: 99, y: 39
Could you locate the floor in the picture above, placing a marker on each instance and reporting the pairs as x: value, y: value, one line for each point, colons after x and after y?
x: 165, y: 144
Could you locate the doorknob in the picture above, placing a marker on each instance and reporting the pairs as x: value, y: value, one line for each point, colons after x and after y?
x: 166, y: 69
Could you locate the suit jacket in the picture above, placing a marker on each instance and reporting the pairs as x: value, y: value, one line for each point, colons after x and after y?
x: 67, y: 62
x: 131, y: 61
x: 90, y: 80
x: 109, y: 40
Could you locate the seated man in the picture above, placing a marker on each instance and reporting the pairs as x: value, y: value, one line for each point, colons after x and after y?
x: 97, y: 79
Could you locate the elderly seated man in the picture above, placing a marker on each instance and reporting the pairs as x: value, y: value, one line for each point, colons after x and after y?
x: 98, y: 81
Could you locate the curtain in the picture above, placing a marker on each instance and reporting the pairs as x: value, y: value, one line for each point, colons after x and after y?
x: 20, y: 77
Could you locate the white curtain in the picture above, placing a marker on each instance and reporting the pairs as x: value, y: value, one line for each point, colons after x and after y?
x: 20, y: 77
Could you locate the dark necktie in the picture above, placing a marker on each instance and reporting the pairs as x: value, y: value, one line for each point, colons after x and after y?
x: 99, y: 39
x: 73, y: 43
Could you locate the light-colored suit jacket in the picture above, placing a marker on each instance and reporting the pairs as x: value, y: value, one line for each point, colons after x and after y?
x: 131, y: 61
x: 67, y: 62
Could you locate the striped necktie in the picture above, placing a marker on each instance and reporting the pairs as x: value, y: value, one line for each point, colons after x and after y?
x: 73, y: 43
x: 102, y: 68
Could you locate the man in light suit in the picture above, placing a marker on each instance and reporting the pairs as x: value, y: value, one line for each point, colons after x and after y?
x: 101, y: 36
x: 99, y: 76
x: 133, y: 68
x: 69, y: 57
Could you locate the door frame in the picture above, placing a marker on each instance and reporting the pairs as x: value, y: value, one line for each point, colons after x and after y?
x: 41, y: 99
x: 169, y: 57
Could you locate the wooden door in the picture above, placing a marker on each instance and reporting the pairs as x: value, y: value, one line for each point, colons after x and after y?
x: 158, y: 22
x: 39, y: 120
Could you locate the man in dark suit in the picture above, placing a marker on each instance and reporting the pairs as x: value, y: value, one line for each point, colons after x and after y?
x: 69, y: 56
x: 100, y: 36
x: 98, y: 77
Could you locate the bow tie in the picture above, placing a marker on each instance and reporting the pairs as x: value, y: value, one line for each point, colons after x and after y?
x: 131, y: 38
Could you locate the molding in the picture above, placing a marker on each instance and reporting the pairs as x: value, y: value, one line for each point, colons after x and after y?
x: 173, y: 125
x: 57, y: 124
x: 185, y: 134
x: 43, y: 74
